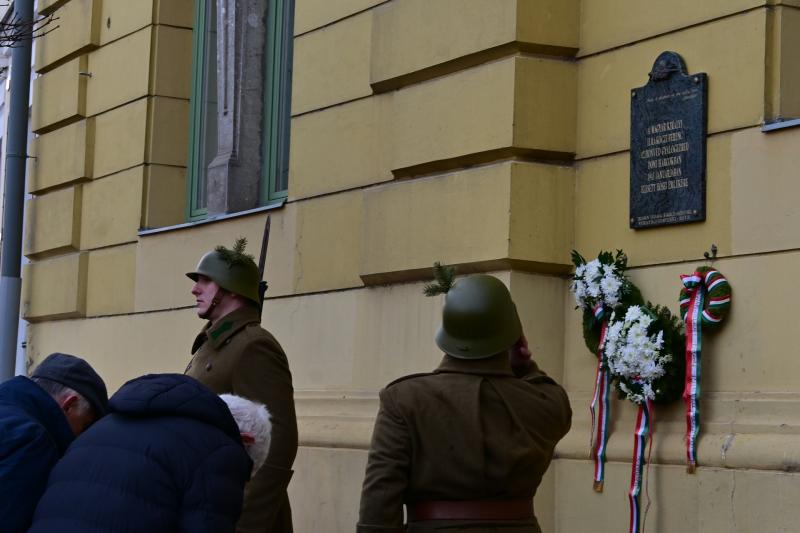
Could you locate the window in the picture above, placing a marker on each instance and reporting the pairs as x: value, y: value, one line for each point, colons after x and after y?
x: 230, y: 167
x: 203, y: 122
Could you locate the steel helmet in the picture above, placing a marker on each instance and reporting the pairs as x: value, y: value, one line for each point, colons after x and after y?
x: 479, y: 319
x: 232, y: 270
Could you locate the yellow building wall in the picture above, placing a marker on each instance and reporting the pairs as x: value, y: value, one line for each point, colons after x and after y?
x: 489, y: 134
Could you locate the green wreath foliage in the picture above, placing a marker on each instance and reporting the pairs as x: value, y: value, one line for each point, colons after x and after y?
x: 721, y: 291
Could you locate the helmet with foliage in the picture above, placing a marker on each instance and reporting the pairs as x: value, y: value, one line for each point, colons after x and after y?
x: 231, y: 269
x: 479, y: 318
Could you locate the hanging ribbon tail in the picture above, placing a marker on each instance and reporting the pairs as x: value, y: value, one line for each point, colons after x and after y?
x: 642, y: 432
x: 600, y: 409
x: 691, y: 390
x: 593, y: 406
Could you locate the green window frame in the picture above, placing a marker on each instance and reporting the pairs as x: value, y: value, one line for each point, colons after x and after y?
x: 277, y: 100
x: 202, y: 39
x: 273, y: 183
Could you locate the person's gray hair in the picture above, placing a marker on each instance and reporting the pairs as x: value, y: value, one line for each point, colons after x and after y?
x: 253, y: 418
x: 58, y: 392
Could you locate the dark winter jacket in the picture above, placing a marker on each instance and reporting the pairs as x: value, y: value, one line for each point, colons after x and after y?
x: 34, y: 433
x: 168, y: 458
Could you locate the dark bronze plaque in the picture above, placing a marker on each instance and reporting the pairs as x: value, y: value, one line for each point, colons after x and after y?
x: 668, y: 146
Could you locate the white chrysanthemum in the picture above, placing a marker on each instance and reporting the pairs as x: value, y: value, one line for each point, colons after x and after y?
x: 593, y: 270
x: 631, y: 395
x: 610, y: 285
x: 579, y: 291
x: 633, y: 354
x: 597, y: 283
x: 634, y: 313
x: 611, y: 301
x: 647, y: 391
x: 593, y: 289
x: 614, y: 327
x: 659, y: 343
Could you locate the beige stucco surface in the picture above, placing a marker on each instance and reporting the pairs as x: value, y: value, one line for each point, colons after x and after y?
x: 77, y: 28
x: 112, y: 209
x: 62, y: 156
x: 482, y: 24
x: 715, y: 499
x: 62, y: 95
x: 332, y: 64
x: 45, y: 222
x: 314, y: 14
x: 120, y: 137
x: 119, y: 72
x: 607, y: 24
x: 730, y: 50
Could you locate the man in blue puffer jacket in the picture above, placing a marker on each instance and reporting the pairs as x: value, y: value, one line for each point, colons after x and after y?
x: 39, y: 418
x: 167, y: 458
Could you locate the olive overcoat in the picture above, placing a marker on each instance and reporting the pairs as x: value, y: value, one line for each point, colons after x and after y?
x: 237, y: 356
x: 471, y: 430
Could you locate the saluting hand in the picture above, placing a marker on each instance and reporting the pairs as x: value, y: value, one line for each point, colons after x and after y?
x: 520, y: 356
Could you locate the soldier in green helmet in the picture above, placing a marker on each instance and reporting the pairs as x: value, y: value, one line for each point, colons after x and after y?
x: 233, y: 354
x: 465, y: 447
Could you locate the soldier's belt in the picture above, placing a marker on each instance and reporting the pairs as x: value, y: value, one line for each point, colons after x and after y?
x: 470, y: 510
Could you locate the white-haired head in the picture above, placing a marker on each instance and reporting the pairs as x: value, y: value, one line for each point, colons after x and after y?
x: 254, y: 424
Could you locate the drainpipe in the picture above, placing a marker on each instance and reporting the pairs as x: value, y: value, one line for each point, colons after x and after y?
x: 14, y: 199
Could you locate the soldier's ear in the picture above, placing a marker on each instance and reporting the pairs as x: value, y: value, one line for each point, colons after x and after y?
x: 247, y: 438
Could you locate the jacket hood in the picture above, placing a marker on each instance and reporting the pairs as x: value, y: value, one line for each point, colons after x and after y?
x: 159, y: 395
x: 23, y: 394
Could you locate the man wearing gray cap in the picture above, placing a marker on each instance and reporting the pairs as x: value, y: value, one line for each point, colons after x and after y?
x: 39, y: 419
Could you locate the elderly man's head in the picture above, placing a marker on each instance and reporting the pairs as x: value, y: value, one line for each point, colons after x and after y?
x: 254, y: 425
x: 75, y: 386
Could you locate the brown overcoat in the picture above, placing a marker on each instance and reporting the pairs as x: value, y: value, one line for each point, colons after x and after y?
x: 471, y: 430
x: 238, y: 356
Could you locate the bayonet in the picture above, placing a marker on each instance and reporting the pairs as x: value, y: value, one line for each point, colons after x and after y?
x: 262, y: 261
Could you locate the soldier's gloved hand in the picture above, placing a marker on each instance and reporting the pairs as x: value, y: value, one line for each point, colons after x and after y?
x: 520, y: 356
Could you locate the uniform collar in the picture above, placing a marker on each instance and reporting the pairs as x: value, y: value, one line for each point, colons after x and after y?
x: 231, y: 323
x: 497, y: 365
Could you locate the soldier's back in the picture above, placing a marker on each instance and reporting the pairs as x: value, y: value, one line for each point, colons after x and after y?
x: 477, y: 431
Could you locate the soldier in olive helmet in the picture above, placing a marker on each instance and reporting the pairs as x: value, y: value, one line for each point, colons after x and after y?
x: 233, y: 354
x: 465, y: 447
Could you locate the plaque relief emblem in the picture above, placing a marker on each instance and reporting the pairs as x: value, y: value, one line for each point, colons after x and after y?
x: 668, y: 146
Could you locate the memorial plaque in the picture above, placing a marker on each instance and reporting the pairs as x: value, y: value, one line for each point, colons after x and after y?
x: 668, y: 146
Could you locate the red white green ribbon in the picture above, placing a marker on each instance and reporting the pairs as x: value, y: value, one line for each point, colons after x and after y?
x: 641, y: 438
x: 691, y: 390
x: 704, y: 300
x: 600, y: 405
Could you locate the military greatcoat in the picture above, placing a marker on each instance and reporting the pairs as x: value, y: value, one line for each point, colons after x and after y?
x: 236, y: 355
x: 470, y: 431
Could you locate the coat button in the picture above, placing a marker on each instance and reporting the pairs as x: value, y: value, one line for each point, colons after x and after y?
x: 208, y: 367
x: 227, y: 341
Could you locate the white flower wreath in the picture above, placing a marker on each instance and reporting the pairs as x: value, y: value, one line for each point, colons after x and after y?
x: 595, y: 282
x: 635, y: 356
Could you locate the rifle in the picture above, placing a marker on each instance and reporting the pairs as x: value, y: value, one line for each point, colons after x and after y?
x: 262, y: 260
